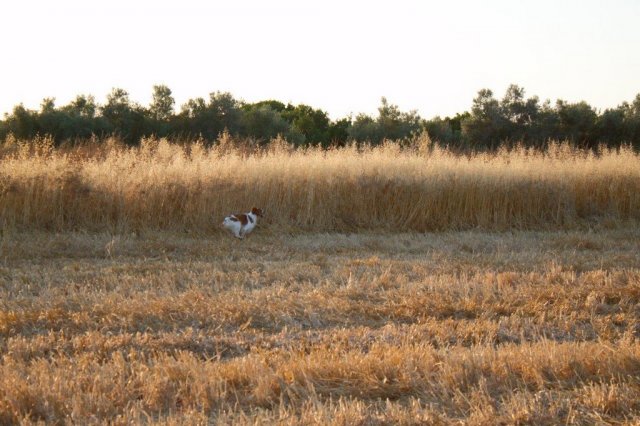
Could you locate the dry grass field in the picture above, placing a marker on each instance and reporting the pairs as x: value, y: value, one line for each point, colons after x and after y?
x: 161, y: 186
x: 484, y: 328
x: 386, y: 286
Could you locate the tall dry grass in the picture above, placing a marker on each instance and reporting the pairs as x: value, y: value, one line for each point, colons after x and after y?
x: 420, y: 187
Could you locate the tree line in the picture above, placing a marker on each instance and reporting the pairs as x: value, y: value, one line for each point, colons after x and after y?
x: 491, y: 122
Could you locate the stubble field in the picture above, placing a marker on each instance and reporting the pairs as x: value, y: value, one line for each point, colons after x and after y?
x: 510, y: 294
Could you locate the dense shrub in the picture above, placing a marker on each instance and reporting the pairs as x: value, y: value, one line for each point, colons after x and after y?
x: 491, y: 123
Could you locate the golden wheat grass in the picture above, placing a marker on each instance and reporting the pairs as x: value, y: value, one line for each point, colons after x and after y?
x: 137, y: 308
x: 369, y: 328
x: 161, y: 186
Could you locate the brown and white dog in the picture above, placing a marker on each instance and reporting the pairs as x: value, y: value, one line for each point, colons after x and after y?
x: 242, y: 223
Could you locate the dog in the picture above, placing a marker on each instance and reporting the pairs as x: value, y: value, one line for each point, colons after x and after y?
x: 242, y: 223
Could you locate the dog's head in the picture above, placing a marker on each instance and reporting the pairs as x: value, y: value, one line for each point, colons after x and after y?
x: 257, y: 211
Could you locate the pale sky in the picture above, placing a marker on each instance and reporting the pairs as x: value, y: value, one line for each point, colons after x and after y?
x: 340, y: 56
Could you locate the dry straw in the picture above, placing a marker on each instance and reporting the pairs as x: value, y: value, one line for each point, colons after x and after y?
x: 420, y: 187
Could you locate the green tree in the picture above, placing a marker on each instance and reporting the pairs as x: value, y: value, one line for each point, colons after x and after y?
x: 632, y: 122
x: 339, y: 131
x: 48, y: 105
x: 161, y: 107
x: 22, y: 122
x: 273, y: 104
x: 79, y: 119
x: 194, y: 107
x: 485, y: 128
x: 577, y: 123
x: 610, y: 127
x: 194, y: 120
x: 264, y: 124
x: 520, y: 115
x: 391, y: 123
x: 84, y: 106
x: 52, y: 122
x: 365, y: 129
x: 547, y: 125
x: 227, y: 112
x: 312, y: 123
x: 125, y: 118
x: 395, y: 124
x: 118, y: 104
x: 440, y: 130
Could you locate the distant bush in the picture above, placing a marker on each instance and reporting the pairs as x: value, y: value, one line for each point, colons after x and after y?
x: 490, y: 124
x: 516, y: 120
x: 264, y: 123
x: 390, y: 124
